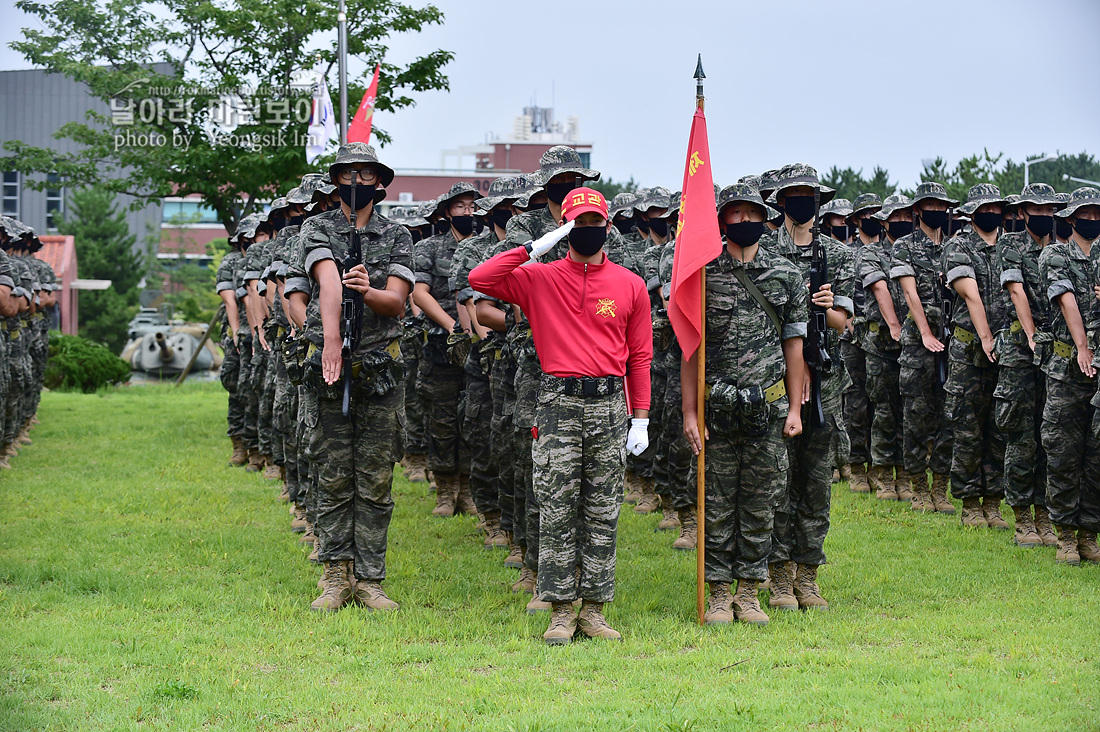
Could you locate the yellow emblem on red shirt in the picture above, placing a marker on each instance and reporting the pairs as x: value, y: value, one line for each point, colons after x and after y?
x: 605, y: 307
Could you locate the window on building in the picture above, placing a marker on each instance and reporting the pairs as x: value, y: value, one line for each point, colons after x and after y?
x: 55, y: 200
x: 586, y: 159
x: 188, y: 212
x: 10, y: 205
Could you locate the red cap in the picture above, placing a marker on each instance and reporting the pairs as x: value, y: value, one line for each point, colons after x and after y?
x: 583, y: 200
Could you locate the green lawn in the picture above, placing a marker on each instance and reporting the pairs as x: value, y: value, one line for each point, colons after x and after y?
x: 144, y: 585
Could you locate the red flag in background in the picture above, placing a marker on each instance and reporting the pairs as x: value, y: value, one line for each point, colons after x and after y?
x: 359, y: 129
x: 698, y: 240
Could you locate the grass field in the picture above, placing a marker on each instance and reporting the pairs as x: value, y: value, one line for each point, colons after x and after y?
x: 144, y: 585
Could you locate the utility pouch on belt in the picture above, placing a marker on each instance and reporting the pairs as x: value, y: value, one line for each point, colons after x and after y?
x: 754, y: 411
x: 722, y: 413
x: 294, y: 353
x: 435, y: 349
x: 378, y: 372
x: 662, y: 331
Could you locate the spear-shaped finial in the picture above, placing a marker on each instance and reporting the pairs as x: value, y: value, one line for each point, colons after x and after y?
x: 699, y: 76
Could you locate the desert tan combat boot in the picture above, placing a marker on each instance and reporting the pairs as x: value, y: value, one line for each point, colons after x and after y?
x: 882, y: 483
x: 417, y: 471
x: 806, y: 589
x: 525, y: 583
x: 720, y: 605
x: 746, y: 605
x: 272, y: 472
x: 335, y: 588
x: 24, y: 437
x: 1087, y: 548
x: 298, y: 525
x: 593, y: 624
x: 315, y: 555
x: 991, y: 510
x: 845, y: 473
x: 782, y: 596
x: 939, y: 494
x: 922, y: 495
x: 446, y: 495
x: 240, y: 455
x: 371, y: 596
x: 464, y: 503
x: 670, y: 518
x: 563, y: 625
x: 255, y: 462
x: 902, y: 485
x: 535, y: 605
x: 514, y: 560
x: 1026, y: 536
x: 688, y: 530
x: 1067, y: 546
x: 650, y: 501
x: 4, y: 464
x: 858, y: 483
x: 1044, y: 527
x: 495, y: 537
x: 631, y: 487
x: 972, y: 515
x: 309, y: 537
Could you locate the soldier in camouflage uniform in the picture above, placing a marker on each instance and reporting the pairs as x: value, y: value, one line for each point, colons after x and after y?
x: 14, y: 300
x: 257, y: 260
x: 21, y: 337
x: 802, y: 514
x: 441, y: 379
x: 354, y: 502
x: 226, y: 288
x: 248, y: 308
x: 1069, y: 432
x: 1020, y: 395
x: 580, y: 431
x: 754, y: 358
x: 970, y: 268
x: 917, y: 267
x: 883, y: 310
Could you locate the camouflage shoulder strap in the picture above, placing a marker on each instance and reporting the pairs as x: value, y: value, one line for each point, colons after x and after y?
x: 754, y: 291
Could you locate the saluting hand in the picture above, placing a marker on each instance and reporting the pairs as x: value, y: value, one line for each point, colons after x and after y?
x: 547, y: 241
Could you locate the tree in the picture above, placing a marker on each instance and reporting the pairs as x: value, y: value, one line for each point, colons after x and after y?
x: 175, y: 65
x: 850, y: 183
x: 104, y: 251
x: 609, y: 188
x: 1009, y: 175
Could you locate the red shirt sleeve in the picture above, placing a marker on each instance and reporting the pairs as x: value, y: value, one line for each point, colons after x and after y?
x: 503, y: 277
x: 639, y: 344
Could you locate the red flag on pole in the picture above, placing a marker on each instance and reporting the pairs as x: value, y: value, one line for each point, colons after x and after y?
x: 698, y: 240
x: 359, y: 129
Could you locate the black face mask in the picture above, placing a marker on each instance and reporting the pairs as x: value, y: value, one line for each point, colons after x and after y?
x: 643, y: 225
x: 840, y: 233
x: 934, y: 219
x: 464, y: 225
x: 1086, y: 228
x: 557, y: 192
x: 441, y: 227
x: 659, y: 227
x: 1040, y: 226
x: 898, y: 229
x: 988, y: 220
x: 415, y: 234
x: 587, y: 240
x: 501, y: 216
x: 296, y: 220
x: 364, y: 194
x: 479, y: 225
x: 625, y: 226
x: 799, y: 208
x: 870, y: 227
x: 745, y: 233
x: 1063, y: 229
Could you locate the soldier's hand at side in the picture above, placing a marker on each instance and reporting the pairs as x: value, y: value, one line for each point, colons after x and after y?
x: 1096, y: 291
x: 932, y: 343
x: 1031, y: 342
x: 331, y: 362
x: 806, y: 388
x: 987, y: 346
x: 823, y: 298
x: 895, y: 332
x: 263, y: 340
x: 691, y: 432
x: 357, y: 279
x: 1084, y: 361
x: 792, y: 426
x: 637, y: 440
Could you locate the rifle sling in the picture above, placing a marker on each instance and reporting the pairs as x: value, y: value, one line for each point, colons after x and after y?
x: 754, y: 291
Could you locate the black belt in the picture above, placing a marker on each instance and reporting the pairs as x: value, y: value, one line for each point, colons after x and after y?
x: 585, y: 386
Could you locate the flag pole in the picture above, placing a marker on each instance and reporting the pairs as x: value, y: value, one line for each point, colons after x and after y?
x: 342, y: 52
x: 700, y: 467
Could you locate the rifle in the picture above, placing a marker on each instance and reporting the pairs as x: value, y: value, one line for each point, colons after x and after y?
x: 351, y: 308
x: 947, y: 299
x: 815, y: 353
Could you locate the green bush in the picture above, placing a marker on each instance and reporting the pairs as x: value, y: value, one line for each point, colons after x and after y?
x: 79, y: 364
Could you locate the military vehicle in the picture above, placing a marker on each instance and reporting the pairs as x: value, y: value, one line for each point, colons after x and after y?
x: 161, y: 348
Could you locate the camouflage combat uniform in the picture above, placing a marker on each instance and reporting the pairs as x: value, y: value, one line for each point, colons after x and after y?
x: 230, y: 369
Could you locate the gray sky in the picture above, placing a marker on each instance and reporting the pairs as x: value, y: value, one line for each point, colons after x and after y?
x: 782, y: 80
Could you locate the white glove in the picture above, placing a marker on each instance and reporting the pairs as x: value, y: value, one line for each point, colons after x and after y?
x: 546, y: 242
x: 638, y: 438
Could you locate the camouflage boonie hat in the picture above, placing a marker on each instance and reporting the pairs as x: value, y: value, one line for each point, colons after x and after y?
x: 934, y: 191
x: 427, y: 209
x: 801, y: 174
x: 979, y: 195
x: 277, y: 205
x: 673, y: 206
x: 527, y: 188
x: 1084, y: 196
x: 864, y: 202
x: 741, y: 192
x: 767, y: 183
x: 623, y: 204
x: 12, y: 228
x: 500, y: 190
x: 1063, y: 198
x: 657, y: 197
x: 839, y: 206
x: 563, y: 159
x: 406, y: 216
x: 461, y: 188
x: 360, y: 152
x: 1037, y: 193
x: 248, y: 225
x: 304, y: 192
x: 896, y: 202
x: 640, y: 198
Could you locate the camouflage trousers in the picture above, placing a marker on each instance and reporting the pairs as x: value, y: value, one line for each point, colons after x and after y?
x: 249, y: 399
x: 926, y: 429
x: 1018, y: 404
x: 355, y: 476
x: 440, y: 389
x: 5, y: 385
x: 1071, y: 438
x: 416, y: 441
x: 656, y: 455
x: 265, y: 387
x: 978, y: 453
x: 802, y: 508
x: 886, y: 409
x: 579, y: 459
x: 857, y: 409
x: 230, y: 375
x: 307, y: 437
x: 477, y: 424
x: 744, y: 480
x: 501, y: 441
x: 528, y: 373
x: 283, y: 415
x: 13, y: 407
x: 679, y: 460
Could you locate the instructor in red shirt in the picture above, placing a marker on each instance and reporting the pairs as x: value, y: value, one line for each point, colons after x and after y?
x: 592, y: 329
